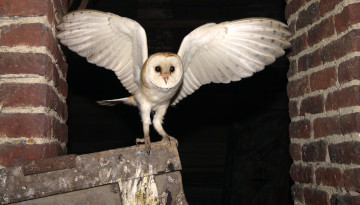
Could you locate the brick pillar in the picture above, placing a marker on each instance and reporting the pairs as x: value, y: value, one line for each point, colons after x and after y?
x: 324, y: 94
x: 33, y: 86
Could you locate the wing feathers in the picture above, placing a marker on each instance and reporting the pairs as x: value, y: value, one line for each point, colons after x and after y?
x: 107, y: 40
x: 212, y: 71
x: 230, y: 51
x: 218, y: 53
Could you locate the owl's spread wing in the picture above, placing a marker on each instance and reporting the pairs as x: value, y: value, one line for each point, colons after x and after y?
x: 230, y: 51
x: 107, y: 40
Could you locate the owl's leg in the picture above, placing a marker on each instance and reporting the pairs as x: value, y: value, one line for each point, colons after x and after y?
x: 157, y: 121
x: 146, y: 121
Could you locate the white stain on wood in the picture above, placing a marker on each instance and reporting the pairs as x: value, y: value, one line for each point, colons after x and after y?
x: 140, y: 190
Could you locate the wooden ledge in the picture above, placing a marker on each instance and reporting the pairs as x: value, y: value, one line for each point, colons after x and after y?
x: 138, y: 177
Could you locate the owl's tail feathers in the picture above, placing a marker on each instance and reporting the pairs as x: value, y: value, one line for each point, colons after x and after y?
x: 128, y: 100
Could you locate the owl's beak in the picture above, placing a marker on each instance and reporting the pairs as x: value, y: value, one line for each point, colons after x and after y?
x: 165, y: 77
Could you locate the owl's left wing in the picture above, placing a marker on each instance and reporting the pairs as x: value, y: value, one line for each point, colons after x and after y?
x: 107, y: 40
x: 230, y: 51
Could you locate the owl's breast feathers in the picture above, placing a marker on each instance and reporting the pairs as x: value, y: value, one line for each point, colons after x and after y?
x: 154, y: 95
x: 154, y: 89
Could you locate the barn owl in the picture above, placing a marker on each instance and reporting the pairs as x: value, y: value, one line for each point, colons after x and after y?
x: 218, y: 53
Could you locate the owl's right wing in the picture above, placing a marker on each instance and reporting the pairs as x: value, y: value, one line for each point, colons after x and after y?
x: 229, y: 51
x: 107, y: 40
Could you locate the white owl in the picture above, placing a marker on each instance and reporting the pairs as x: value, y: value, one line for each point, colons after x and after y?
x: 218, y: 53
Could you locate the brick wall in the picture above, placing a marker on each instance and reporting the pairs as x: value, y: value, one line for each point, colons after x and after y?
x: 33, y: 86
x: 324, y: 94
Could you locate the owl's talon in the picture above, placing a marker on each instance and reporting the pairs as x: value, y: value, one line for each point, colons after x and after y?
x: 140, y: 141
x: 145, y: 141
x: 170, y: 140
x: 147, y: 148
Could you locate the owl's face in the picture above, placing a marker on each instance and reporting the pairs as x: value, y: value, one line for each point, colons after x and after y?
x: 164, y: 70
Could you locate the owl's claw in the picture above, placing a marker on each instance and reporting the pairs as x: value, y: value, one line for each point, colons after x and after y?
x: 140, y: 141
x: 148, y: 148
x: 170, y: 140
x: 147, y: 143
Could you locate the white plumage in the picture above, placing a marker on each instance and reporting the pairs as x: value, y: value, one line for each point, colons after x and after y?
x: 218, y: 53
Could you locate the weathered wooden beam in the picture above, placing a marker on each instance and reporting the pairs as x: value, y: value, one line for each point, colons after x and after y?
x: 131, y: 175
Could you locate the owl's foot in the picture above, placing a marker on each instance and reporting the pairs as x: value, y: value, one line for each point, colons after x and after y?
x: 147, y: 143
x: 170, y: 140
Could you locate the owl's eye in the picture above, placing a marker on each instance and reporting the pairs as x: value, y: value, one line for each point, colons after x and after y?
x: 172, y: 69
x: 157, y: 69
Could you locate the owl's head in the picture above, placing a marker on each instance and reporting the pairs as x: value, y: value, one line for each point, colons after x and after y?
x: 164, y: 70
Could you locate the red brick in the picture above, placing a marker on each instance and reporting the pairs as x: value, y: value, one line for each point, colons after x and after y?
x: 32, y: 63
x: 327, y: 5
x: 301, y: 174
x: 350, y: 123
x: 10, y: 8
x: 32, y: 125
x: 29, y: 125
x: 312, y: 105
x: 292, y: 27
x: 348, y: 43
x: 26, y: 63
x: 332, y: 101
x: 35, y: 34
x: 292, y: 7
x: 350, y: 15
x: 345, y: 153
x: 292, y: 68
x: 60, y: 130
x: 298, y: 44
x: 25, y: 125
x: 352, y: 180
x: 316, y: 197
x: 18, y: 154
x: 298, y: 87
x: 326, y: 126
x: 308, y: 16
x: 60, y: 61
x: 314, y: 152
x: 349, y: 70
x: 295, y: 151
x: 321, y: 31
x: 310, y: 60
x: 323, y: 79
x: 329, y: 177
x: 345, y: 97
x: 63, y: 88
x: 297, y: 193
x: 345, y: 199
x: 31, y: 95
x: 300, y: 129
x: 61, y: 8
x: 293, y: 109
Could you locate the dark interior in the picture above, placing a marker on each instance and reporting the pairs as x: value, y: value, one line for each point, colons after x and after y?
x: 233, y: 138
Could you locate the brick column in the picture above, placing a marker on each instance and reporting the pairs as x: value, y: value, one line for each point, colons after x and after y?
x: 33, y: 86
x: 324, y: 94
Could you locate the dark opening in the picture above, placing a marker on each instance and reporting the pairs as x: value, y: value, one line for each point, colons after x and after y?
x: 233, y: 138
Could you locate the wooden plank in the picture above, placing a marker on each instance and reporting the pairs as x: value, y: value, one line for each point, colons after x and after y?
x: 141, y: 177
x: 106, y: 195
